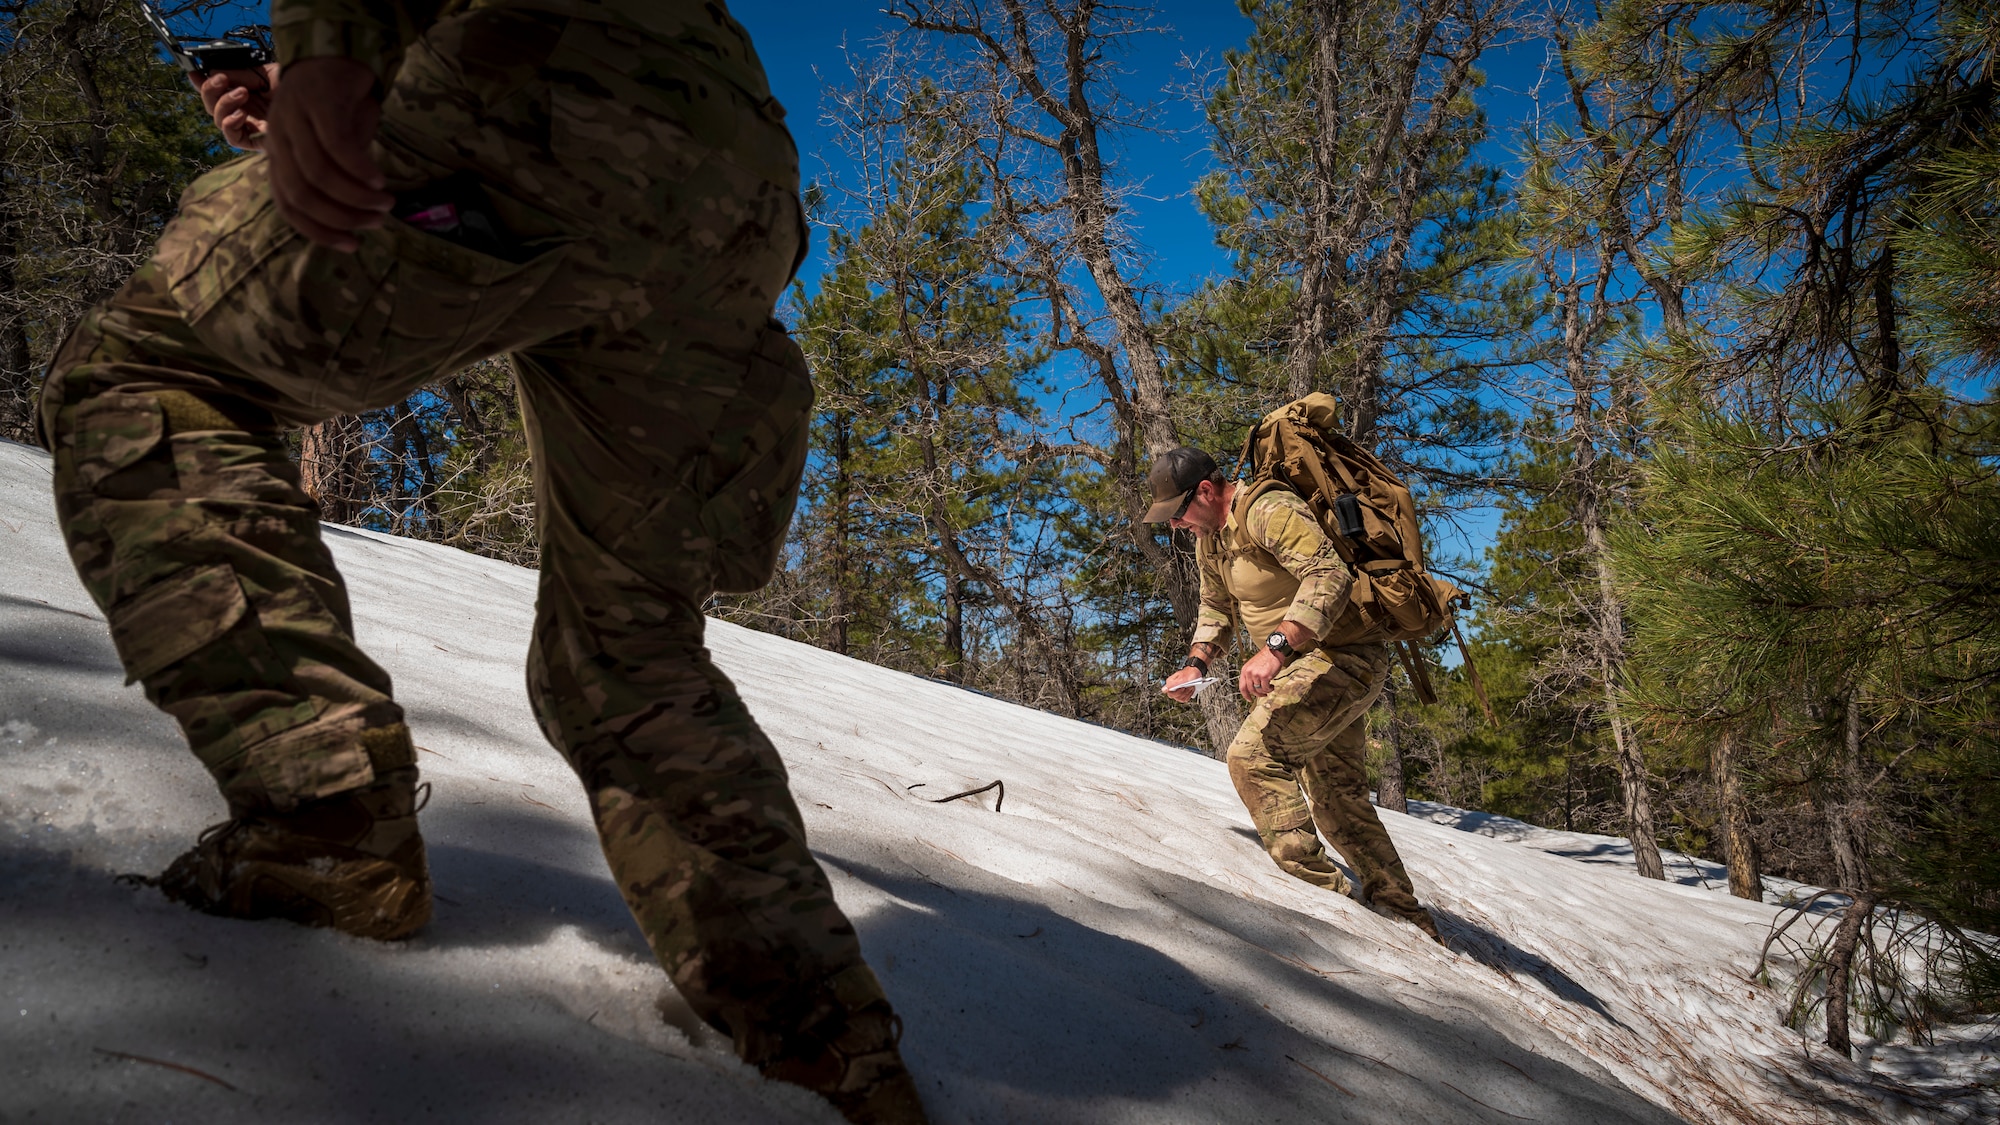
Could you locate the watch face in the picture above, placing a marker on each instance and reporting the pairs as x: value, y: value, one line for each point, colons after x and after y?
x: 1278, y: 641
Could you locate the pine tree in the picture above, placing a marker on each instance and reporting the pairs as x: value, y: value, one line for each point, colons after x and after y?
x: 98, y: 136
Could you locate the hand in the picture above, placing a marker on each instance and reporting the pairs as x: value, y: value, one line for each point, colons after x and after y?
x: 239, y: 102
x: 322, y: 178
x: 1176, y: 688
x: 1255, y: 679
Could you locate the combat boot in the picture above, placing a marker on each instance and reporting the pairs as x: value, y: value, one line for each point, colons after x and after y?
x: 352, y: 862
x: 1421, y: 917
x: 1298, y: 853
x: 855, y: 1062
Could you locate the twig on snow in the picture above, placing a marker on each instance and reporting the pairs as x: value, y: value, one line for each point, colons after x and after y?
x: 1476, y: 1101
x: 1000, y: 785
x: 165, y: 1063
x: 1318, y: 1075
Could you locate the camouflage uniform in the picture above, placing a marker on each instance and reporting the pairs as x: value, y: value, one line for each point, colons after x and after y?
x: 1310, y: 732
x: 634, y: 153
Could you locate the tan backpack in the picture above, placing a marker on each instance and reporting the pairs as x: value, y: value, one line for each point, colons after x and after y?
x: 1366, y: 511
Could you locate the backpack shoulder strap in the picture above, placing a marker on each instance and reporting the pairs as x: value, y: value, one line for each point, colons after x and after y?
x: 1250, y: 493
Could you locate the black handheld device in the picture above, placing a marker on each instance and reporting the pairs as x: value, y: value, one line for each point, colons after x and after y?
x: 241, y: 48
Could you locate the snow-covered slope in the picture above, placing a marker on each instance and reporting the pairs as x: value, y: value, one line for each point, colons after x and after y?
x: 1107, y: 945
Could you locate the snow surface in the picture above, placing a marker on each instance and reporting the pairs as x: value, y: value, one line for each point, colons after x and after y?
x: 1108, y: 945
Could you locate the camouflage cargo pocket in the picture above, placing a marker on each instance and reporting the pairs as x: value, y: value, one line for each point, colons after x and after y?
x: 112, y: 432
x: 175, y: 618
x: 316, y: 759
x: 762, y: 437
x: 339, y: 332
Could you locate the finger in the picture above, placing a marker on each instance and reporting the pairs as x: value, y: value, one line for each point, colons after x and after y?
x: 313, y: 230
x: 243, y: 131
x: 316, y: 190
x: 329, y: 180
x: 344, y: 139
x: 253, y: 133
x: 310, y: 204
x: 221, y: 81
x: 211, y: 87
x: 284, y: 194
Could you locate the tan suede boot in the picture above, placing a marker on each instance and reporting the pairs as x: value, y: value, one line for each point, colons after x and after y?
x: 847, y: 1050
x: 353, y: 862
x: 854, y: 1061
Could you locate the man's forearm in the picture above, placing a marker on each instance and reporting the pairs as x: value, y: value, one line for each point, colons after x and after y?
x: 1297, y: 635
x: 370, y: 32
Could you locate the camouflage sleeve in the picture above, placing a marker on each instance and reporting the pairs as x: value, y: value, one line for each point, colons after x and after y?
x: 1217, y: 619
x: 1281, y: 523
x: 371, y: 32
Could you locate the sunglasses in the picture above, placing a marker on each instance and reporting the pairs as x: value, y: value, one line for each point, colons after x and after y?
x: 1186, y: 501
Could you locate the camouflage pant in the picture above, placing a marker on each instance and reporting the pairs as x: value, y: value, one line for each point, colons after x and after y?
x: 1311, y: 734
x: 658, y: 215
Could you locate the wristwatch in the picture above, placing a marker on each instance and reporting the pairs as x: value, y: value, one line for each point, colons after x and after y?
x: 1277, y: 643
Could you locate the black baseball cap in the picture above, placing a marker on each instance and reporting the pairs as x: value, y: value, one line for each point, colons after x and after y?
x: 1176, y: 473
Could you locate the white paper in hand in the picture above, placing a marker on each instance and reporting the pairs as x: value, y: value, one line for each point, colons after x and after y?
x: 1197, y: 685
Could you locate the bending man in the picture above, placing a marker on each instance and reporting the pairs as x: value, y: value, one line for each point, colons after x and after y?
x: 1299, y: 759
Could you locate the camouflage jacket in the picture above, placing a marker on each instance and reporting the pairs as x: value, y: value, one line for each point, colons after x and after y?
x: 376, y: 32
x: 1276, y: 566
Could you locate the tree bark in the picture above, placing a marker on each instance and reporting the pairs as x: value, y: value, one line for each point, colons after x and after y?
x: 954, y: 628
x: 1739, y: 844
x: 1840, y: 970
x: 17, y: 381
x: 840, y: 608
x: 1220, y: 709
x: 1609, y: 644
x: 1389, y: 794
x: 329, y: 452
x: 1847, y: 819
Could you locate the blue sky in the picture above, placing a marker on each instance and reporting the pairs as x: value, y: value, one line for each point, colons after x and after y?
x: 806, y: 44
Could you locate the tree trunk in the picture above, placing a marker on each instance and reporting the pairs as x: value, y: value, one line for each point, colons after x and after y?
x: 839, y: 607
x: 1840, y: 970
x: 1220, y: 708
x: 328, y: 467
x: 17, y: 375
x: 1389, y: 793
x: 1632, y: 779
x: 1609, y: 616
x: 1311, y: 319
x: 1739, y: 845
x: 1638, y: 798
x: 954, y: 627
x: 1847, y: 819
